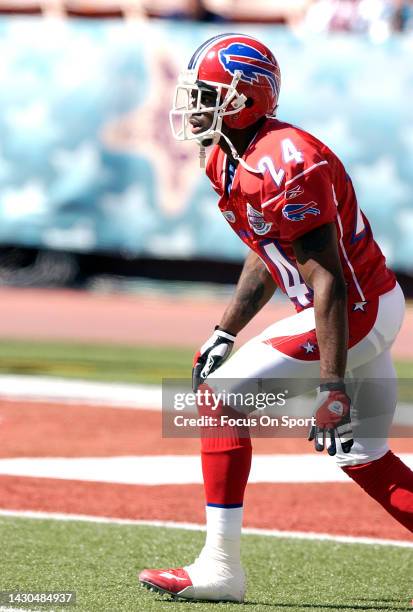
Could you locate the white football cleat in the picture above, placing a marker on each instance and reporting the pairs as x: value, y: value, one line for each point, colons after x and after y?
x: 199, y: 581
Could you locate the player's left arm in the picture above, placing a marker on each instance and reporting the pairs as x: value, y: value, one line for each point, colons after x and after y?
x: 320, y: 266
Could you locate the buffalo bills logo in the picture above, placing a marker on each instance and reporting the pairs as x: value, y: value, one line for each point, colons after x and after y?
x: 252, y: 64
x: 298, y: 212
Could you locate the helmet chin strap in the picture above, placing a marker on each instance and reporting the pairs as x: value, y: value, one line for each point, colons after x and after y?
x: 214, y: 138
x: 206, y: 140
x: 236, y: 156
x: 215, y: 134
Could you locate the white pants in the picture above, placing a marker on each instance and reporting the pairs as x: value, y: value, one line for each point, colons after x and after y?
x: 368, y: 360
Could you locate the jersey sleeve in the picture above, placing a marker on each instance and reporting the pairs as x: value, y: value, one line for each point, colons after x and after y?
x: 305, y: 199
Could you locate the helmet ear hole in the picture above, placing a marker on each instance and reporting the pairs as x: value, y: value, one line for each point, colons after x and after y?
x: 249, y: 102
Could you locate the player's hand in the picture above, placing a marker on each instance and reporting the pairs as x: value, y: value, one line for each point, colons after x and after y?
x: 332, y: 417
x: 212, y: 354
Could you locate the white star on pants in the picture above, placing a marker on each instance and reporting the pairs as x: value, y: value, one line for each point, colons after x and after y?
x: 308, y: 347
x: 359, y: 306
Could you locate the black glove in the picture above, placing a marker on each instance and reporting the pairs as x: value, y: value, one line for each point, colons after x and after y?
x: 212, y: 354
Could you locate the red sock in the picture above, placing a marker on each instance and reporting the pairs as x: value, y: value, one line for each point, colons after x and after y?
x: 390, y: 482
x: 226, y: 457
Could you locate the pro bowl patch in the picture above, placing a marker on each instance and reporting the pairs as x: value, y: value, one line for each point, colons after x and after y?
x: 257, y: 222
x: 298, y: 212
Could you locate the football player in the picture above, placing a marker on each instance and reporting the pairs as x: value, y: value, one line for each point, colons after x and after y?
x: 289, y: 198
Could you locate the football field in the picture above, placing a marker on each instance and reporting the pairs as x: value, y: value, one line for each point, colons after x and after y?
x: 123, y: 292
x: 66, y: 457
x: 99, y: 562
x: 90, y: 492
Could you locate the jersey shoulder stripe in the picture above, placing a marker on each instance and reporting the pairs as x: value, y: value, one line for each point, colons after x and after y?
x: 297, y: 176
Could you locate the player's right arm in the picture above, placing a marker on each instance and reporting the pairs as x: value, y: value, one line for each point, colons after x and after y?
x: 255, y: 287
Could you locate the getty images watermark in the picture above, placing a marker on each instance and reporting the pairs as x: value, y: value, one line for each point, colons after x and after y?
x: 248, y: 404
x: 240, y: 402
x: 213, y: 399
x: 280, y: 408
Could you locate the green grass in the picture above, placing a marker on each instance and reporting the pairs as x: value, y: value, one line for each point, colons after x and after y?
x: 140, y: 364
x: 100, y: 562
x: 133, y: 364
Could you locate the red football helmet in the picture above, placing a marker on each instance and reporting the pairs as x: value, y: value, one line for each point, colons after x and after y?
x: 246, y: 77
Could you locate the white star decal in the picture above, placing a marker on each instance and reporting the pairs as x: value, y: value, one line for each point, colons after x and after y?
x: 308, y: 347
x: 359, y: 306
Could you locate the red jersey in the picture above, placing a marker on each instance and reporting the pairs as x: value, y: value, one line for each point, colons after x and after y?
x: 301, y: 185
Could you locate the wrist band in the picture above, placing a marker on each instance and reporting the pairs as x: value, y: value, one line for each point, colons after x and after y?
x: 225, y: 333
x: 333, y: 386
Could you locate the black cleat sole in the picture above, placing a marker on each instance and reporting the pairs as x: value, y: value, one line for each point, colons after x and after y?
x: 156, y: 589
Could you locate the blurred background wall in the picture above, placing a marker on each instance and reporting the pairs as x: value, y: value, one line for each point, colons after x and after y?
x: 91, y: 181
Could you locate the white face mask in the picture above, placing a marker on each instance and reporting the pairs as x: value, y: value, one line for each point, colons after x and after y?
x: 188, y: 102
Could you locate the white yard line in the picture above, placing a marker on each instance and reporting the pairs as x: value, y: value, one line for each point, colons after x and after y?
x: 5, y: 609
x: 275, y: 533
x: 36, y: 389
x: 61, y: 390
x: 175, y: 469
